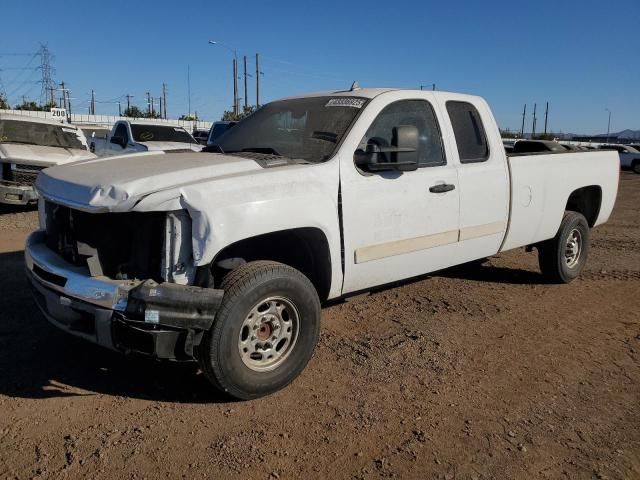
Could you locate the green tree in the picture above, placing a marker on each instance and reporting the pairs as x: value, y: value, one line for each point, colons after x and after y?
x: 133, y: 112
x: 229, y: 116
x: 4, y: 103
x: 31, y: 106
x: 189, y: 118
x: 506, y: 133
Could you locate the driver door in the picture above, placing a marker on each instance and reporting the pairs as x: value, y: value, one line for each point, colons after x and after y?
x: 399, y: 224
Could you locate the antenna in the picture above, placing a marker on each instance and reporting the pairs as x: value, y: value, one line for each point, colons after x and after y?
x: 355, y: 86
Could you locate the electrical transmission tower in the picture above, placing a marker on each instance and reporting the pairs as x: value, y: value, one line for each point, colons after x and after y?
x: 48, y: 86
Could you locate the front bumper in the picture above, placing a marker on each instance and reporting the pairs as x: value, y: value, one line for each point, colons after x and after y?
x: 13, y: 194
x: 131, y: 316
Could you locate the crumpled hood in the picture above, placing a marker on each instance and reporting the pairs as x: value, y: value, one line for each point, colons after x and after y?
x: 41, y: 155
x: 117, y: 183
x: 168, y: 146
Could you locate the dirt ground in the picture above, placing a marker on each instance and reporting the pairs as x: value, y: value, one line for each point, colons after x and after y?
x: 471, y: 373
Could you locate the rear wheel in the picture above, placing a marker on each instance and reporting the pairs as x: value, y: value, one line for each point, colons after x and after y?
x: 563, y: 257
x: 636, y: 166
x: 265, y: 330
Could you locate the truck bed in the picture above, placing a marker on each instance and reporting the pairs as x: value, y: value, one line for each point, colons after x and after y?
x: 541, y: 184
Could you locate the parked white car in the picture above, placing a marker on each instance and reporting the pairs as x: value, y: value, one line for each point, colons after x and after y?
x: 135, y: 136
x: 629, y: 156
x: 30, y: 144
x: 226, y: 257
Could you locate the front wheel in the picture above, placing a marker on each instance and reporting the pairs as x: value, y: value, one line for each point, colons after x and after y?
x: 636, y: 166
x: 264, y: 332
x: 563, y: 257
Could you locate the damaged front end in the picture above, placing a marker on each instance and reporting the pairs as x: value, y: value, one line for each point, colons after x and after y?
x: 126, y: 281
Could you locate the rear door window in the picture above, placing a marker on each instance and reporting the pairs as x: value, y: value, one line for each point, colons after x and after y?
x: 469, y: 132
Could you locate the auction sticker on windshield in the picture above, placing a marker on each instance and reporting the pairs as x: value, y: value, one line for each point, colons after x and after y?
x: 346, y: 102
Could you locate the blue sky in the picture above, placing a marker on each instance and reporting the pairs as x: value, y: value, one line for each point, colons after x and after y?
x: 581, y: 56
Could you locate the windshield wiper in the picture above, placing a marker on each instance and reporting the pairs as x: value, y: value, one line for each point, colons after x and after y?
x: 265, y: 150
x: 326, y: 136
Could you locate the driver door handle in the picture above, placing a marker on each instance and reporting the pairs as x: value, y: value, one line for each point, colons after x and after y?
x: 442, y: 188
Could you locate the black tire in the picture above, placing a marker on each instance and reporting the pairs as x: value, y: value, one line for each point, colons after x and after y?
x: 219, y: 353
x: 636, y: 166
x: 552, y: 254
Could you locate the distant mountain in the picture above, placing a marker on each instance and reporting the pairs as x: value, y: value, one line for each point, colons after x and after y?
x: 630, y: 134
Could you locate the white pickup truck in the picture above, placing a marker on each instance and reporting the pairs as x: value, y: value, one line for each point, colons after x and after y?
x: 227, y: 257
x: 134, y: 136
x: 30, y: 144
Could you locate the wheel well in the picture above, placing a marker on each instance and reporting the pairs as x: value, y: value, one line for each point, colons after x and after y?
x: 305, y: 249
x: 586, y: 200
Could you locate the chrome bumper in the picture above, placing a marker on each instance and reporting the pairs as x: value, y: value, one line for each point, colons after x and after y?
x: 159, y: 320
x: 55, y: 273
x: 13, y: 194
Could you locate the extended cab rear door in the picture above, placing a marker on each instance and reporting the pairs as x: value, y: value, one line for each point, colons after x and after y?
x: 395, y: 224
x: 482, y: 175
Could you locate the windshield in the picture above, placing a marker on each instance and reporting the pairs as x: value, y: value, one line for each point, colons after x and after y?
x: 47, y: 135
x: 160, y: 133
x: 302, y: 128
x: 217, y: 130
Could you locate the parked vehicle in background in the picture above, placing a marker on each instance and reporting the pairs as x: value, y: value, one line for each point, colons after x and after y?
x: 134, y: 136
x: 217, y: 129
x: 91, y: 132
x: 225, y: 258
x: 572, y: 148
x: 201, y: 135
x: 508, y: 144
x: 629, y: 156
x: 532, y: 146
x: 30, y: 144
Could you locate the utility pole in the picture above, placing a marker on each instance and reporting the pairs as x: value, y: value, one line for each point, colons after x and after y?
x: 546, y: 117
x: 93, y: 103
x: 235, y: 86
x: 63, y: 100
x: 246, y: 98
x: 148, y: 103
x: 257, y: 83
x: 524, y: 115
x: 164, y: 101
x: 533, y: 129
x: 608, y: 124
x: 129, y: 97
x: 189, y: 87
x: 119, y: 109
x: 68, y: 105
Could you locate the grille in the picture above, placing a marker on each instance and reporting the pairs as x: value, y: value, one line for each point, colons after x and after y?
x: 123, y: 245
x: 23, y: 174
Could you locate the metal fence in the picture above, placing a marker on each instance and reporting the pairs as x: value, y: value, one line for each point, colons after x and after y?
x: 109, y: 120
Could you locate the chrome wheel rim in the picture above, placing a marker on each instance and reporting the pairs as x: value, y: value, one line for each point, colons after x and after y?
x: 573, y: 248
x: 268, y: 334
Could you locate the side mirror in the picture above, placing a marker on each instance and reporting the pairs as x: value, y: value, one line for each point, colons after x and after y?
x: 119, y: 141
x: 402, y: 155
